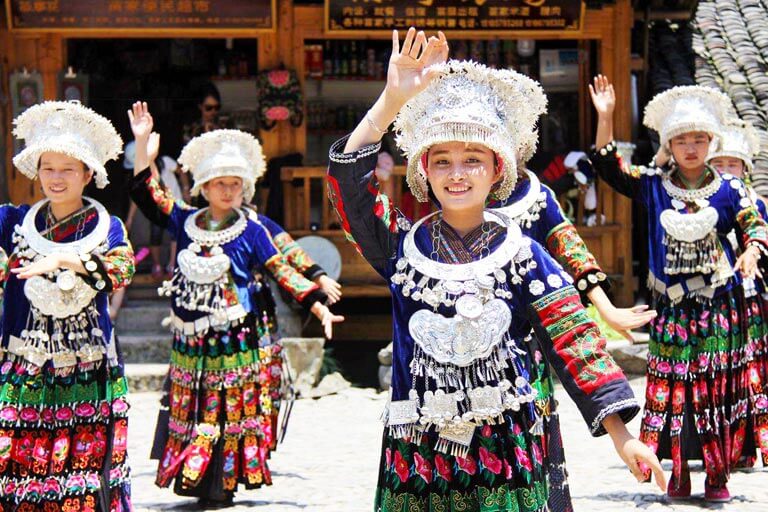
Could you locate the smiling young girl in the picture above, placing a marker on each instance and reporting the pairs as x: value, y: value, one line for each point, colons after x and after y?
x: 63, y: 409
x: 463, y: 429
x: 697, y: 390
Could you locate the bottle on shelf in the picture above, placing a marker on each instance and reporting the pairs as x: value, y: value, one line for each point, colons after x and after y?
x: 344, y: 67
x: 353, y: 66
x: 328, y: 59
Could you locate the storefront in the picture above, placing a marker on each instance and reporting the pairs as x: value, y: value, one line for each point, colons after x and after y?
x: 338, y: 52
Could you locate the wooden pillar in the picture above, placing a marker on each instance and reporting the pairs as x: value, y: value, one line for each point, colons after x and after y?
x: 281, y: 49
x: 615, y: 54
x: 43, y: 53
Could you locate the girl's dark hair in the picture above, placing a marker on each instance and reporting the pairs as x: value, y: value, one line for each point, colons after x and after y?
x: 208, y: 89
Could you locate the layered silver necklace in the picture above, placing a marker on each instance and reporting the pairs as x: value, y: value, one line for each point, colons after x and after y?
x: 62, y: 324
x: 200, y: 281
x: 467, y: 361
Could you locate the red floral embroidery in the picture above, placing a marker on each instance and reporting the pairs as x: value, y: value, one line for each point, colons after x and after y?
x: 443, y: 468
x: 423, y: 467
x: 522, y: 459
x: 401, y: 467
x: 467, y: 465
x: 491, y: 461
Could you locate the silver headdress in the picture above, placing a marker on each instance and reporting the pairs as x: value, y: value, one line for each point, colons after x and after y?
x: 69, y: 128
x: 470, y: 102
x: 739, y: 140
x: 221, y: 153
x: 689, y: 108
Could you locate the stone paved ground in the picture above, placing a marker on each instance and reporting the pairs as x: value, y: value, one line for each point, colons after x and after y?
x: 329, y: 464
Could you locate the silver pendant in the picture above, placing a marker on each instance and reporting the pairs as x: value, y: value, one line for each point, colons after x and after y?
x: 66, y: 281
x: 469, y: 306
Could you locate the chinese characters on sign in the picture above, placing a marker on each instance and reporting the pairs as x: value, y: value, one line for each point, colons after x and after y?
x: 465, y: 15
x: 142, y: 14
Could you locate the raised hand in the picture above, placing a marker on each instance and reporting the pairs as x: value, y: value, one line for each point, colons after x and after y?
x: 153, y: 146
x: 603, y: 96
x: 141, y: 126
x: 410, y: 69
x: 141, y: 120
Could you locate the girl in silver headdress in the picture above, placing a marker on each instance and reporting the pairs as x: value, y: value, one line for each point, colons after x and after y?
x: 221, y: 409
x: 63, y: 408
x: 465, y: 424
x: 740, y: 144
x: 698, y: 384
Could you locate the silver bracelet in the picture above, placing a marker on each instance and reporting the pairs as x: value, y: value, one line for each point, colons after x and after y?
x: 372, y: 124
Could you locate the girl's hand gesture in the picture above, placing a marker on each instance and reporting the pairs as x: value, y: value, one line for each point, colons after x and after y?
x: 141, y: 121
x: 603, y: 96
x: 141, y: 126
x: 153, y: 146
x: 326, y: 317
x: 409, y: 70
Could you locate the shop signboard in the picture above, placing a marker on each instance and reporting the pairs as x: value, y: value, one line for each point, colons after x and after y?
x: 491, y: 17
x: 109, y: 15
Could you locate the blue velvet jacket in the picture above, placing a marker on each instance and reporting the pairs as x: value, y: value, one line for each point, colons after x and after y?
x: 646, y: 185
x: 251, y: 250
x: 544, y: 300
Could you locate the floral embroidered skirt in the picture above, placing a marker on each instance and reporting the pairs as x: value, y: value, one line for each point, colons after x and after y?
x: 63, y: 439
x: 757, y: 353
x: 221, y: 409
x: 701, y: 384
x: 504, y: 471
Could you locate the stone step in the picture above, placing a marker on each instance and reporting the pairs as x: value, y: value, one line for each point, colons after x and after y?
x: 145, y: 377
x: 142, y: 316
x: 146, y: 348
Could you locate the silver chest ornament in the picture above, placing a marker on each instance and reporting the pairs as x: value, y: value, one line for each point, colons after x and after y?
x: 200, y: 281
x: 468, y: 363
x: 690, y: 239
x: 63, y: 322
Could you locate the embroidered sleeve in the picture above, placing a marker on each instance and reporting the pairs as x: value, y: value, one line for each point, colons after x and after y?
x: 569, y: 249
x: 625, y: 178
x: 115, y: 269
x: 367, y: 216
x: 294, y: 254
x: 157, y: 203
x: 302, y: 289
x: 574, y: 346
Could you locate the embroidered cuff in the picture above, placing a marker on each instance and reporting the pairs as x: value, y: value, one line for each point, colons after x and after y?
x: 97, y: 276
x: 314, y: 272
x: 337, y: 155
x: 626, y: 409
x: 316, y: 295
x: 591, y: 278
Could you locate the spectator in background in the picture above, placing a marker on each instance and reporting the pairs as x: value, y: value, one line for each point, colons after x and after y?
x: 384, y: 167
x: 209, y: 104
